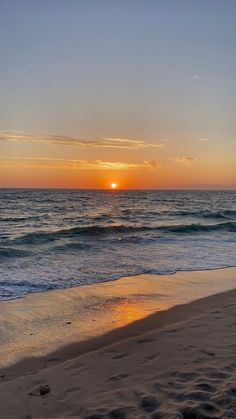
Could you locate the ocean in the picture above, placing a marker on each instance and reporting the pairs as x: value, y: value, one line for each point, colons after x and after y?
x: 63, y: 238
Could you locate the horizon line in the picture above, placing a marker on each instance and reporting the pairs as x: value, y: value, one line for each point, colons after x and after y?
x: 202, y: 188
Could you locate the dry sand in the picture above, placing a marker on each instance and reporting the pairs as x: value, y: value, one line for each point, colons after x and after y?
x: 178, y: 363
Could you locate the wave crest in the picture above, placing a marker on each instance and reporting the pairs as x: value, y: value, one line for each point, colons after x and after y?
x: 43, y: 237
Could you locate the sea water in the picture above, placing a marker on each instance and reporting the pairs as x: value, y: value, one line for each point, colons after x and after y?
x: 62, y: 238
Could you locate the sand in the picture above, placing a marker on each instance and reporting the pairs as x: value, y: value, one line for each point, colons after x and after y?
x: 176, y: 363
x: 40, y: 322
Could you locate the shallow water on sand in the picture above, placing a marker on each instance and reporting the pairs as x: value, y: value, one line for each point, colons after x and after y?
x: 44, y: 322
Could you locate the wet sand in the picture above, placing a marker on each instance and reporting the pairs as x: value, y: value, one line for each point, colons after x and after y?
x: 120, y: 357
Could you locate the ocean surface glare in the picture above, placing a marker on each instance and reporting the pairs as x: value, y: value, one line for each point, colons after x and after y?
x: 62, y: 238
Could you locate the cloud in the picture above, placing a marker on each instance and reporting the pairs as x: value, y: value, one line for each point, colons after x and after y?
x: 185, y: 160
x: 203, y: 139
x: 73, y: 164
x: 104, y: 142
x: 196, y: 77
x: 166, y: 140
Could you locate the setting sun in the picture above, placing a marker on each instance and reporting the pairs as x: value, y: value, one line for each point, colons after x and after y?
x: 114, y: 185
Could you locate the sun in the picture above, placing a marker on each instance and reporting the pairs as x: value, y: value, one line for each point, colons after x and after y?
x: 114, y: 185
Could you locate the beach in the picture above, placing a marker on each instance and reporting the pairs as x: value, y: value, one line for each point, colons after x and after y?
x: 117, y: 209
x: 160, y: 347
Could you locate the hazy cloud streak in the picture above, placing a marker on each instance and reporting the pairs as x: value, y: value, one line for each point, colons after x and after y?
x: 185, y: 160
x: 104, y: 142
x: 43, y: 162
x: 203, y: 139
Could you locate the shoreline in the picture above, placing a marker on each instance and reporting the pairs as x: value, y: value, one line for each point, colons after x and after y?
x: 163, y: 319
x: 116, y: 279
x: 45, y: 323
x: 175, y: 363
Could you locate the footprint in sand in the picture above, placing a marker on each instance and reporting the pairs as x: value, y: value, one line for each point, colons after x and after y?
x: 120, y: 412
x: 204, y: 386
x: 185, y: 376
x: 151, y: 357
x: 157, y: 415
x: 232, y: 391
x: 208, y: 353
x: 229, y: 305
x: 149, y: 403
x: 193, y: 396
x: 223, y: 400
x: 163, y: 387
x: 119, y: 356
x: 117, y: 413
x: 145, y: 340
x: 218, y: 375
x: 196, y: 412
x: 118, y: 377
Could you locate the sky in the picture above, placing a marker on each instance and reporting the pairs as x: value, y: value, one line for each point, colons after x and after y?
x: 137, y: 92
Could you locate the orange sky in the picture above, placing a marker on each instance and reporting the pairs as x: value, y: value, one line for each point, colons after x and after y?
x: 129, y: 163
x: 137, y: 93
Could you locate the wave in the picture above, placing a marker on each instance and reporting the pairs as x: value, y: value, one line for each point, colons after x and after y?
x: 19, y: 219
x: 227, y: 214
x: 72, y: 246
x: 13, y: 219
x: 201, y: 228
x: 224, y: 214
x: 216, y: 215
x: 43, y: 237
x: 25, y: 283
x: 12, y: 289
x: 8, y: 252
